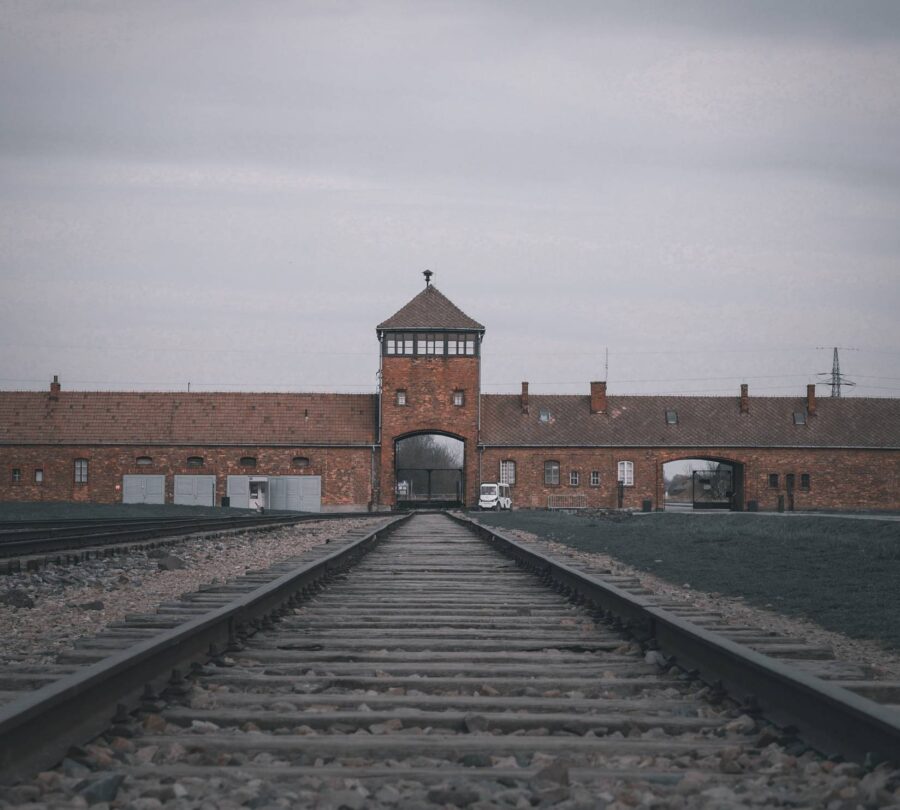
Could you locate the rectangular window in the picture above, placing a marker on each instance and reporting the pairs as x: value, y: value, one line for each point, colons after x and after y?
x: 574, y: 478
x: 773, y: 480
x: 38, y: 476
x: 459, y: 398
x: 804, y: 481
x: 16, y: 475
x: 390, y: 345
x: 671, y: 417
x: 434, y: 344
x: 799, y: 417
x: 595, y: 478
x: 626, y: 473
x: 81, y: 471
x: 409, y: 344
x: 789, y: 482
x: 452, y: 344
x: 401, y: 397
x: 507, y: 472
x: 470, y: 345
x: 551, y: 473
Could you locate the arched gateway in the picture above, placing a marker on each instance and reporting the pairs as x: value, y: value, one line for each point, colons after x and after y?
x: 430, y: 471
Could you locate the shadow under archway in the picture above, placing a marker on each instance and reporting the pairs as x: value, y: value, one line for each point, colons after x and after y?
x: 429, y: 471
x: 703, y: 483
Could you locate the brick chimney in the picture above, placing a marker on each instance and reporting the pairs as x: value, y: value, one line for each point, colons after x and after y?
x: 745, y: 398
x: 524, y: 397
x: 811, y: 399
x: 598, y: 397
x: 55, y: 388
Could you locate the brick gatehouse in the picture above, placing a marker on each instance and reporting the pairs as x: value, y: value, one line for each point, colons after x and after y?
x: 429, y: 436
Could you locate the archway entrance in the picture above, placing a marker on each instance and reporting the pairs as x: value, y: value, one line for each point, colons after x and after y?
x: 429, y: 471
x: 703, y: 483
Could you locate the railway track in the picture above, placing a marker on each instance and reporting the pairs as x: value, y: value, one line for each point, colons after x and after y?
x: 25, y: 544
x: 439, y: 672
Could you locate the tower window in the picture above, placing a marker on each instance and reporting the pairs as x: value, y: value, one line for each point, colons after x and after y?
x: 459, y: 398
x: 400, y: 398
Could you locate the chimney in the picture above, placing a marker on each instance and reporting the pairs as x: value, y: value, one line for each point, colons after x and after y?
x: 598, y: 397
x: 745, y: 398
x: 811, y: 399
x: 54, y: 388
x: 525, y: 397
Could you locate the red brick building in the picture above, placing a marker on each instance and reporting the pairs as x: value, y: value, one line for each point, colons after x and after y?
x: 431, y: 437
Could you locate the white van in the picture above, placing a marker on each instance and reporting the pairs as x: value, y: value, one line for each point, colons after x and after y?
x: 495, y: 496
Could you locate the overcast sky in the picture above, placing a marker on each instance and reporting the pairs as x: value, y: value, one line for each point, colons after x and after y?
x: 233, y: 194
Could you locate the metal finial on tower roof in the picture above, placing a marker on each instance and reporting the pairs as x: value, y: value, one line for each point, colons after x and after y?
x: 428, y: 274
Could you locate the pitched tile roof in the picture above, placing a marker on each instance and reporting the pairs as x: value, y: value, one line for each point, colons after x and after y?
x: 430, y: 309
x: 81, y: 417
x: 632, y: 421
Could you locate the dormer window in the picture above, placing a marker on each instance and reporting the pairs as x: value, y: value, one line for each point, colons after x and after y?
x: 799, y: 417
x: 544, y: 415
x: 671, y: 417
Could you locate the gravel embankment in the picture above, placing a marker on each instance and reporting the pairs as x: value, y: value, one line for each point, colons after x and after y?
x: 44, y: 612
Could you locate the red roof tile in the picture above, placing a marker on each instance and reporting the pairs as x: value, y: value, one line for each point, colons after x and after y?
x: 430, y: 309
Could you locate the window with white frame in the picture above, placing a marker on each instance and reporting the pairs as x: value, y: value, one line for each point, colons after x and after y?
x: 81, y: 471
x: 401, y: 396
x: 626, y: 473
x: 595, y: 478
x: 574, y: 478
x: 38, y: 476
x: 459, y: 398
x: 507, y: 472
x: 551, y: 473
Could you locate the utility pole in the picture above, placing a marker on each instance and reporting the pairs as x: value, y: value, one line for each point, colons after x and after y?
x: 836, y: 378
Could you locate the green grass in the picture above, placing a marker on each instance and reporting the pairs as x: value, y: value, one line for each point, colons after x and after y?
x: 843, y: 574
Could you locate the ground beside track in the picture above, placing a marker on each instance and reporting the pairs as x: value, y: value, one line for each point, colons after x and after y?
x: 838, y: 573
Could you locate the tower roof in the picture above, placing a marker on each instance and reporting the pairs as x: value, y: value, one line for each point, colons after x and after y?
x: 430, y: 309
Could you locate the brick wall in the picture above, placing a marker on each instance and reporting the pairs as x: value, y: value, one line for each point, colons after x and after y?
x: 429, y: 383
x: 346, y: 472
x: 839, y: 479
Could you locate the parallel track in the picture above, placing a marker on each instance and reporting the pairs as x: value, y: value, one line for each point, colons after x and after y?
x: 26, y: 539
x: 435, y: 659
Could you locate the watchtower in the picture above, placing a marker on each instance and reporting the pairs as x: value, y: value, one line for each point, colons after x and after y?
x: 429, y: 403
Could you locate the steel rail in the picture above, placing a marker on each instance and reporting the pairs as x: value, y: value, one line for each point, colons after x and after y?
x: 45, y: 540
x: 832, y: 719
x: 37, y: 729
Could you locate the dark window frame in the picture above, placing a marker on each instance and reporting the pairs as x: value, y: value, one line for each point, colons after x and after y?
x: 16, y: 475
x: 774, y: 480
x: 300, y: 461
x: 248, y: 461
x: 143, y: 461
x: 671, y: 416
x: 799, y: 417
x: 195, y: 461
x: 805, y: 482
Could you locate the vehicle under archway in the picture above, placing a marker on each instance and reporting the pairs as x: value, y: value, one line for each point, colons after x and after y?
x: 429, y: 471
x: 703, y: 483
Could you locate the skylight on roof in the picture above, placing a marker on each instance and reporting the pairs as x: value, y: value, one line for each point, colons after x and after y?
x: 545, y: 415
x: 671, y: 417
x: 799, y: 417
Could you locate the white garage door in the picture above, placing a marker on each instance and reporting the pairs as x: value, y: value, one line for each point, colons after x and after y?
x: 195, y: 490
x: 143, y: 489
x: 238, y: 491
x: 296, y: 493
